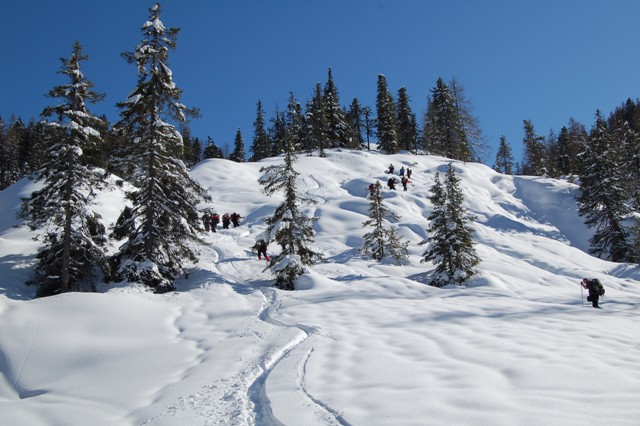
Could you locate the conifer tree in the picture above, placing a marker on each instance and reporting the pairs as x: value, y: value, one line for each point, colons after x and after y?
x: 602, y: 201
x: 277, y: 133
x: 212, y: 150
x: 238, y: 155
x: 355, y: 125
x: 334, y: 116
x: 290, y: 228
x: 407, y: 127
x: 382, y: 242
x: 504, y: 158
x: 535, y: 158
x: 73, y: 248
x: 474, y: 141
x: 295, y: 124
x: 318, y: 126
x: 451, y: 246
x: 261, y: 147
x: 386, y: 121
x: 161, y: 225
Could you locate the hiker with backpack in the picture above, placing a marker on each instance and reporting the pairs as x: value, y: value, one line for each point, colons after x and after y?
x: 596, y: 289
x: 261, y: 246
x: 390, y: 169
x: 206, y: 221
x: 235, y: 219
x: 215, y: 220
x: 226, y: 220
x: 391, y: 183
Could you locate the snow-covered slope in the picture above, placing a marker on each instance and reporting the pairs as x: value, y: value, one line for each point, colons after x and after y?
x: 359, y: 343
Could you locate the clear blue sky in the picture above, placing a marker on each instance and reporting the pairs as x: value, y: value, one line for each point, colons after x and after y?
x: 544, y: 60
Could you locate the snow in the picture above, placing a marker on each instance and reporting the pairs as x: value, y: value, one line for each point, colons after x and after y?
x: 358, y: 342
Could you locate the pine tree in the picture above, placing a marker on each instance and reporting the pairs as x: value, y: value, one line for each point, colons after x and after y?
x: 451, y: 246
x: 602, y: 201
x: 161, y: 224
x: 295, y: 124
x: 407, y: 127
x: 474, y: 146
x: 386, y: 121
x: 277, y: 133
x: 238, y: 155
x: 316, y: 120
x: 382, y: 242
x: 504, y: 158
x: 290, y: 228
x: 355, y: 125
x: 535, y: 158
x: 444, y: 130
x: 334, y: 116
x: 75, y: 238
x: 261, y: 147
x: 212, y: 150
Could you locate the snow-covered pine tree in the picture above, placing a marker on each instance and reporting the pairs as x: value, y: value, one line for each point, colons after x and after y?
x: 261, y: 146
x: 386, y: 121
x: 535, y: 157
x: 290, y: 228
x: 317, y: 123
x: 73, y: 250
x: 504, y: 158
x: 211, y: 150
x: 407, y: 126
x: 602, y: 201
x: 295, y: 123
x: 355, y: 125
x: 382, y: 242
x: 238, y: 155
x: 161, y: 225
x: 451, y: 246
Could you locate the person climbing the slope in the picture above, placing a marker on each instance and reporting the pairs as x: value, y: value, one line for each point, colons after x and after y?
x: 595, y: 290
x: 261, y: 246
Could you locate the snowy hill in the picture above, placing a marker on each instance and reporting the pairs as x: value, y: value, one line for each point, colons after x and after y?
x: 359, y: 342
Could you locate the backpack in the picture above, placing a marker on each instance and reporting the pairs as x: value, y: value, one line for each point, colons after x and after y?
x: 597, y: 286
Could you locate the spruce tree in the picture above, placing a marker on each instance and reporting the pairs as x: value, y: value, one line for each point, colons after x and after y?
x: 386, y: 121
x: 73, y: 249
x: 382, y: 242
x: 261, y: 146
x: 355, y: 125
x: 472, y: 137
x: 334, y: 116
x: 407, y: 127
x: 238, y: 155
x: 451, y: 246
x: 535, y: 158
x: 161, y: 225
x: 602, y: 201
x: 212, y: 150
x: 295, y: 124
x: 317, y: 122
x: 290, y: 228
x: 504, y: 158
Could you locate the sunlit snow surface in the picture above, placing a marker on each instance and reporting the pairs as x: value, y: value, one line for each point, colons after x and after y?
x: 359, y: 342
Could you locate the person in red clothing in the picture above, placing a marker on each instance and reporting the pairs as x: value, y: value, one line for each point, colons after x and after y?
x: 262, y: 250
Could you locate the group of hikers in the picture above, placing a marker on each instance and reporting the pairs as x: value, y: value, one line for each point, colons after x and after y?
x: 211, y: 220
x: 405, y: 176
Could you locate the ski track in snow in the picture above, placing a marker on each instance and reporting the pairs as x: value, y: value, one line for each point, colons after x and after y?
x: 241, y: 398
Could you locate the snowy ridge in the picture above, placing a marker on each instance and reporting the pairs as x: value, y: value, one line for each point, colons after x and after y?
x: 359, y: 342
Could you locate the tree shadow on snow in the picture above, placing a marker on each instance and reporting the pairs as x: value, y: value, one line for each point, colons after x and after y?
x: 14, y: 273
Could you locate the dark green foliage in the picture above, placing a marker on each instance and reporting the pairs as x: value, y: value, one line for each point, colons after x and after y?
x: 602, y: 201
x: 212, y: 150
x: 261, y: 147
x: 535, y: 157
x: 382, y: 242
x: 355, y: 125
x: 407, y: 126
x: 290, y: 228
x: 336, y: 130
x: 238, y: 155
x: 451, y: 246
x: 73, y: 245
x: 386, y: 121
x: 317, y: 122
x: 504, y: 158
x: 161, y: 224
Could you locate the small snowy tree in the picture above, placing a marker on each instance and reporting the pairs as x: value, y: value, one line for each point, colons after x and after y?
x: 451, y: 246
x: 290, y: 228
x: 381, y: 241
x: 75, y: 238
x: 161, y: 223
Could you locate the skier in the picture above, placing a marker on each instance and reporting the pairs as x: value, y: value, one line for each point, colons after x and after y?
x: 226, y: 220
x: 235, y: 219
x: 261, y: 246
x: 593, y: 296
x: 215, y: 220
x: 405, y: 181
x: 391, y: 183
x: 206, y: 221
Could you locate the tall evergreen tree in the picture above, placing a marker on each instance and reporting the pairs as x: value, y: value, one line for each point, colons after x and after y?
x: 160, y: 227
x: 451, y: 246
x: 290, y: 228
x: 534, y: 162
x: 444, y: 131
x: 355, y: 125
x: 334, y: 116
x: 317, y: 122
x: 602, y: 201
x: 74, y: 240
x: 382, y: 242
x: 277, y: 133
x: 386, y: 121
x: 238, y: 155
x: 504, y: 158
x: 407, y: 126
x: 474, y: 146
x: 295, y: 123
x: 261, y: 147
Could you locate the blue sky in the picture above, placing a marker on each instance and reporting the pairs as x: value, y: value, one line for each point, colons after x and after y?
x: 544, y: 60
